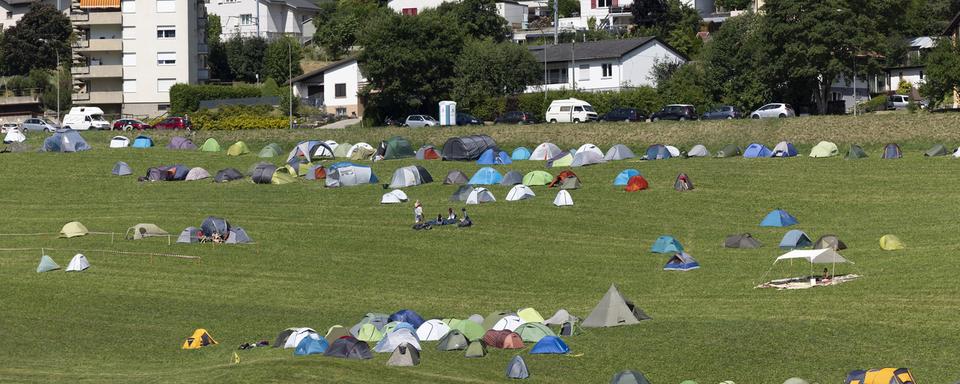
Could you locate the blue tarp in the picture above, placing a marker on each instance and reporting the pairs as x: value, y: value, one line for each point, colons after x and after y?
x: 550, y: 345
x: 666, y: 244
x: 521, y: 153
x: 142, y: 142
x: 756, y: 150
x: 311, y: 346
x: 681, y: 262
x: 778, y: 218
x: 795, y: 239
x: 491, y: 157
x: 625, y: 176
x: 407, y: 316
x: 657, y: 152
x: 486, y: 176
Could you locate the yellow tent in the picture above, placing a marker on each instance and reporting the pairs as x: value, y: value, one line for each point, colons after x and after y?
x: 200, y: 338
x: 891, y: 243
x: 881, y: 376
x: 530, y: 315
x: 73, y: 229
x: 237, y: 149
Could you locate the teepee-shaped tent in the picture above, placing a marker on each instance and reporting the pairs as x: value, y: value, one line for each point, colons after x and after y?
x: 211, y: 145
x: 476, y: 349
x: 517, y: 369
x: 630, y: 377
x: 614, y: 310
x: 47, y: 264
x: 405, y: 355
x: 199, y: 338
x: 78, y: 263
x: 563, y: 199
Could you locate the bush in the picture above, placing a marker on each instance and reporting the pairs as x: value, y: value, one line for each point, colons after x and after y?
x: 878, y: 103
x: 185, y: 98
x: 645, y: 99
x: 239, y: 117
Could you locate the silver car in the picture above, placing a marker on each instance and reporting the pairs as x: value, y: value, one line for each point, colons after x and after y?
x: 416, y: 121
x: 38, y: 125
x: 773, y: 110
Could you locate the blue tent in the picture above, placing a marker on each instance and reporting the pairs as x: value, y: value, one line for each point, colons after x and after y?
x: 311, y: 346
x: 625, y: 176
x: 666, y: 244
x: 521, y: 153
x: 550, y: 345
x: 795, y: 239
x: 681, y: 262
x: 892, y: 151
x: 657, y: 152
x: 65, y: 140
x: 142, y: 142
x: 756, y: 150
x: 486, y: 176
x: 407, y: 316
x: 517, y: 369
x: 784, y: 149
x: 778, y: 218
x: 490, y: 157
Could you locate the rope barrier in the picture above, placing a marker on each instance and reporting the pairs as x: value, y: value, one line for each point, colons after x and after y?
x: 188, y: 257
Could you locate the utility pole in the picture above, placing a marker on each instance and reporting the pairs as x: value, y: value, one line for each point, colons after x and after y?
x: 556, y: 22
x: 290, y: 78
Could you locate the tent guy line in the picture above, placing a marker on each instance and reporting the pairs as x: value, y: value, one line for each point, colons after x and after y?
x: 102, y: 250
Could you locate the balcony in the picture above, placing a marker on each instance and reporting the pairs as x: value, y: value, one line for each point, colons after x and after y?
x: 203, y: 48
x: 98, y: 45
x: 105, y: 97
x: 96, y: 18
x: 97, y: 71
x: 203, y: 74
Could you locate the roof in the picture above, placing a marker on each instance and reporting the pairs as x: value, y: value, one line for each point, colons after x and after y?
x: 321, y: 70
x: 299, y: 4
x: 99, y: 3
x: 593, y: 50
x: 922, y: 42
x: 953, y: 25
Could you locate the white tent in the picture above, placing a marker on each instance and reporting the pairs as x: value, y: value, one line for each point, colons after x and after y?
x: 359, y: 146
x: 394, y: 339
x: 520, y: 192
x: 479, y: 196
x: 619, y: 152
x: 956, y: 153
x: 119, y: 142
x: 395, y: 196
x: 509, y: 322
x: 14, y: 136
x: 674, y: 151
x: 78, y: 263
x: 299, y: 334
x: 698, y: 151
x: 545, y: 151
x: 432, y: 330
x: 332, y: 144
x: 562, y: 316
x: 587, y: 158
x: 563, y: 199
x: 590, y: 148
x: 814, y: 256
x: 197, y: 173
x: 406, y: 177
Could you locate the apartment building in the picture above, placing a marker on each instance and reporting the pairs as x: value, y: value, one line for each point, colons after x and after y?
x: 129, y: 53
x: 11, y: 11
x: 266, y: 18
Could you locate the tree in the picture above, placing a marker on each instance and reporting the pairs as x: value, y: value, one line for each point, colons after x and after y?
x: 339, y: 24
x: 477, y: 19
x: 486, y: 69
x: 738, y: 70
x: 282, y: 59
x: 687, y: 85
x: 942, y: 72
x: 37, y: 40
x: 214, y: 28
x: 245, y: 56
x: 731, y: 5
x: 673, y: 21
x: 926, y: 17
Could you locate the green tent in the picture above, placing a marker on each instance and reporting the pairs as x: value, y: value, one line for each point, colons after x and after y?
x: 47, y: 264
x: 395, y: 148
x: 270, y: 150
x: 237, y: 149
x: 533, y: 332
x: 471, y: 330
x: 211, y: 145
x: 281, y: 176
x: 731, y: 150
x: 891, y: 243
x: 856, y: 152
x: 476, y: 349
x: 490, y: 320
x: 563, y: 161
x: 824, y: 149
x: 369, y: 333
x: 452, y: 341
x: 342, y: 149
x: 537, y: 178
x: 936, y: 150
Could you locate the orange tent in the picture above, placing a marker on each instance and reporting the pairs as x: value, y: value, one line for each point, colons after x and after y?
x: 562, y: 176
x: 504, y: 339
x: 636, y: 183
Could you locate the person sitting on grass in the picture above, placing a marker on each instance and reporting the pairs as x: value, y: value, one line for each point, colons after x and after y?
x: 826, y: 276
x: 465, y: 221
x: 451, y: 217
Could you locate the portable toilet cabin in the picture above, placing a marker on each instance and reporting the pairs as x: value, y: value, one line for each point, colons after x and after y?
x: 448, y: 113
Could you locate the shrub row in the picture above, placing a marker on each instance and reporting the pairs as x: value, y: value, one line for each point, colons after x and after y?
x: 645, y: 99
x: 238, y: 122
x: 186, y: 98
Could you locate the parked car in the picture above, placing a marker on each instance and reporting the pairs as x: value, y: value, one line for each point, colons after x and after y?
x: 723, y: 112
x: 776, y: 110
x: 84, y: 118
x: 515, y: 117
x: 416, y: 121
x: 7, y: 126
x: 174, y: 122
x: 895, y: 102
x: 36, y: 124
x: 391, y: 122
x: 623, y: 114
x: 679, y: 112
x: 129, y: 124
x: 570, y: 111
x: 467, y: 119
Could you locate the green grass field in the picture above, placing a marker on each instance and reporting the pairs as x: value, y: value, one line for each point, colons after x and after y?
x: 328, y: 256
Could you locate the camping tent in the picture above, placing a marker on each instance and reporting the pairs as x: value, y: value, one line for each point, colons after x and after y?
x: 395, y: 196
x: 291, y: 337
x: 455, y: 177
x: 238, y: 235
x: 78, y: 263
x: 829, y: 241
x: 520, y: 192
x: 682, y: 183
x: 73, y: 229
x: 452, y: 341
x: 189, y: 235
x: 563, y: 159
x: 65, y: 140
x: 589, y: 148
x: 462, y: 193
x: 550, y: 345
x: 315, y: 172
x: 630, y: 377
x: 270, y: 174
x: 237, y: 149
x: 181, y: 143
x: 215, y: 225
x: 529, y: 315
x: 698, y: 151
x: 311, y: 346
x: 14, y: 135
x: 407, y: 316
x: 666, y: 244
x: 537, y: 178
x: 614, y: 310
x: 563, y: 199
x: 480, y: 196
x: 681, y: 262
x: 824, y: 149
x: 336, y: 332
x: 492, y: 157
x: 936, y: 150
x: 368, y: 332
x: 560, y: 317
x: 503, y: 339
x: 270, y: 150
x: 346, y: 174
x: 119, y: 142
x: 533, y: 332
x: 144, y: 230
x: 432, y: 330
x: 342, y: 150
x: 517, y: 369
x: 361, y: 151
x: 880, y: 376
x: 476, y: 318
x: 795, y: 239
x: 657, y: 152
x: 512, y: 178
x: 520, y: 153
x: 142, y: 141
x: 394, y: 339
x: 476, y: 349
x: 730, y: 150
x: 210, y: 145
x: 619, y: 152
x: 471, y: 330
x: 587, y: 157
x: 856, y: 152
x: 561, y: 177
x: 197, y: 173
x: 395, y: 148
x: 508, y: 322
x: 427, y: 152
x: 636, y: 183
x: 892, y: 151
x: 306, y: 151
x: 410, y: 176
x: 229, y: 174
x: 545, y: 151
x: 47, y: 264
x: 493, y: 318
x: 778, y: 218
x: 199, y: 338
x: 784, y: 149
x: 405, y: 355
x: 349, y: 347
x: 624, y: 176
x: 467, y: 148
x: 121, y: 169
x: 891, y: 243
x: 757, y: 150
x: 485, y: 176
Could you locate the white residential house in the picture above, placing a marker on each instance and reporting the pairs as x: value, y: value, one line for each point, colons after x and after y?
x: 911, y: 69
x: 606, y: 65
x: 334, y: 87
x: 266, y: 18
x: 11, y: 11
x: 128, y: 53
x: 514, y: 12
x: 616, y: 13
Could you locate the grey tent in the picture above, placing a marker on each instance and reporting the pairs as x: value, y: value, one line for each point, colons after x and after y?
x: 829, y: 242
x: 229, y: 174
x: 410, y: 176
x: 452, y: 341
x: 65, y: 140
x: 121, y: 169
x: 462, y: 193
x: 629, y: 377
x: 189, y: 235
x: 571, y: 182
x: 730, y: 150
x: 197, y: 173
x: 342, y: 150
x: 698, y: 151
x: 181, y: 143
x: 476, y: 349
x: 379, y: 320
x: 614, y: 310
x: 336, y: 332
x: 683, y: 183
x: 584, y: 158
x: 856, y: 152
x: 455, y: 177
x: 427, y: 152
x: 467, y: 148
x: 476, y: 318
x: 349, y: 348
x: 405, y: 355
x: 936, y: 150
x: 743, y: 240
x: 512, y: 178
x: 215, y: 225
x: 517, y: 369
x: 263, y: 173
x: 619, y: 152
x: 238, y: 236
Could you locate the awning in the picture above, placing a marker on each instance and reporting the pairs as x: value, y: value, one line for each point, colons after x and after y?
x: 99, y: 3
x: 816, y: 256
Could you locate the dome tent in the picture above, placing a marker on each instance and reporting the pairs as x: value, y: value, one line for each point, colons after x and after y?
x: 210, y: 145
x: 467, y: 148
x: 778, y: 218
x: 410, y: 176
x: 520, y: 192
x: 511, y: 178
x: 14, y: 135
x: 824, y: 149
x: 395, y: 196
x: 681, y: 261
x: 657, y: 152
x: 119, y: 142
x: 619, y: 152
x: 784, y: 149
x: 757, y: 150
x: 395, y: 148
x: 65, y: 140
x: 486, y: 176
x: 545, y: 151
x: 361, y: 151
x: 743, y: 240
x: 521, y: 153
x: 121, y: 169
x: 534, y: 178
x: 492, y: 157
x: 142, y: 141
x: 303, y: 152
x: 181, y: 143
x: 624, y: 176
x: 237, y: 149
x: 698, y: 151
x: 427, y: 152
x: 455, y: 177
x: 270, y: 150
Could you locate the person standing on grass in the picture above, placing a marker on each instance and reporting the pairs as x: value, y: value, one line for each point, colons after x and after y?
x: 417, y: 212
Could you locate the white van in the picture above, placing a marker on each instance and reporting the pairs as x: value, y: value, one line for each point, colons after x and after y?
x: 570, y: 111
x: 84, y: 118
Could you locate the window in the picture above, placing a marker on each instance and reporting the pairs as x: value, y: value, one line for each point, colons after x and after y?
x: 129, y: 86
x: 565, y: 108
x: 578, y: 109
x: 129, y: 33
x: 9, y: 15
x: 166, y: 58
x: 129, y: 59
x: 921, y: 75
x: 584, y: 72
x: 163, y: 107
x: 246, y: 19
x: 409, y: 11
x: 557, y: 76
x: 128, y: 6
x: 340, y: 90
x: 604, y: 3
x: 166, y: 32
x: 835, y: 96
x: 341, y: 111
x: 607, y: 70
x: 163, y: 85
x: 166, y: 6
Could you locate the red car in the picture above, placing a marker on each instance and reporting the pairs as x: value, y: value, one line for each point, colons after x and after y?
x: 128, y: 124
x: 174, y: 123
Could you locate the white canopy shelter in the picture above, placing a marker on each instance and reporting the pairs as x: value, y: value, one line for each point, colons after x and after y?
x: 814, y: 256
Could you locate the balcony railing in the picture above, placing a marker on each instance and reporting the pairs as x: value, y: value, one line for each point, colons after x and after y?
x: 96, y: 18
x: 97, y: 71
x: 98, y: 45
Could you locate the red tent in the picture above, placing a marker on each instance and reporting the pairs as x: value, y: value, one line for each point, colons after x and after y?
x: 636, y: 183
x: 562, y: 176
x: 504, y: 339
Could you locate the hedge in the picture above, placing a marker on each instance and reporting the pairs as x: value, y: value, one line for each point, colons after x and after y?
x: 645, y: 99
x: 239, y: 122
x: 186, y: 98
